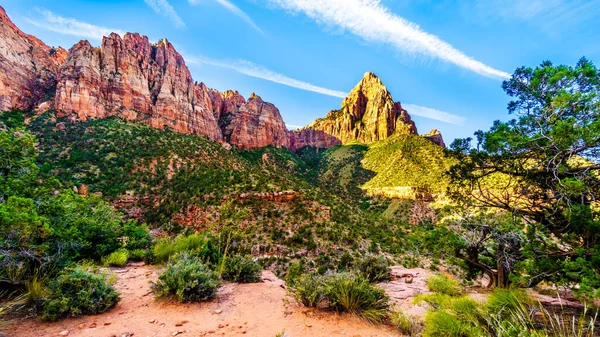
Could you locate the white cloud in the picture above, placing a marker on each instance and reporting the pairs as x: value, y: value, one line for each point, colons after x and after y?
x: 162, y: 7
x: 235, y: 10
x: 251, y: 69
x: 70, y: 26
x: 374, y: 22
x: 430, y: 113
x: 293, y: 127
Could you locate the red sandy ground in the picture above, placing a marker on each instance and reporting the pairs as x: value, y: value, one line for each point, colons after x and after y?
x: 257, y: 310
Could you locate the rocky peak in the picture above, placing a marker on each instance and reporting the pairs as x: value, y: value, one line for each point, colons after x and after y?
x: 436, y: 137
x: 251, y: 123
x: 368, y: 114
x: 27, y: 67
x: 133, y: 79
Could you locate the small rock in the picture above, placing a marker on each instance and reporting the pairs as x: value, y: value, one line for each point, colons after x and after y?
x: 152, y: 321
x: 181, y: 323
x: 221, y: 326
x: 309, y: 325
x: 107, y: 323
x: 93, y: 325
x: 81, y: 326
x: 64, y: 333
x: 218, y: 311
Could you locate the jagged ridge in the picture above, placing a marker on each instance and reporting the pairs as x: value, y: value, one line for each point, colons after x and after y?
x: 133, y: 79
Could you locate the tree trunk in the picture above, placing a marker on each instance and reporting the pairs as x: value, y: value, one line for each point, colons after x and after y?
x: 503, y: 280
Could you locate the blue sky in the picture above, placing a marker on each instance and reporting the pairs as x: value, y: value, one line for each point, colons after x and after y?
x: 444, y: 60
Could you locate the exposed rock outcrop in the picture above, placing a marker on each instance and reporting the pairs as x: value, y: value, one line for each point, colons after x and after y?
x: 133, y: 79
x: 27, y: 68
x: 435, y: 136
x: 250, y: 124
x: 368, y: 114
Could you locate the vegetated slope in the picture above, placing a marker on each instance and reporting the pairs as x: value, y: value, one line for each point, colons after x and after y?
x: 178, y: 182
x: 172, y: 170
x: 392, y: 167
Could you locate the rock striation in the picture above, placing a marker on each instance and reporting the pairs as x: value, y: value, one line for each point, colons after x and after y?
x: 28, y: 68
x: 252, y: 123
x: 133, y: 79
x: 368, y: 114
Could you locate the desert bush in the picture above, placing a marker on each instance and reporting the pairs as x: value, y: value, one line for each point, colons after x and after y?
x: 355, y: 294
x: 116, y: 259
x: 406, y: 324
x: 76, y: 292
x: 241, y: 269
x: 374, y: 268
x: 138, y: 254
x: 443, y: 284
x: 199, y: 245
x: 442, y: 323
x: 502, y: 303
x: 309, y: 289
x: 135, y: 235
x: 188, y: 279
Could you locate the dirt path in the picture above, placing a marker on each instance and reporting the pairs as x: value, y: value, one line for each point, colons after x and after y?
x: 259, y: 310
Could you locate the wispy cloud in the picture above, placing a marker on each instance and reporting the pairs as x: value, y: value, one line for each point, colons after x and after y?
x: 164, y: 8
x: 254, y: 70
x: 251, y: 69
x: 70, y: 26
x: 235, y: 10
x: 430, y: 113
x: 374, y: 22
x: 293, y: 127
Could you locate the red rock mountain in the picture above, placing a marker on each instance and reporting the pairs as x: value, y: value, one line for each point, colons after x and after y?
x: 28, y: 67
x: 368, y: 114
x: 134, y: 79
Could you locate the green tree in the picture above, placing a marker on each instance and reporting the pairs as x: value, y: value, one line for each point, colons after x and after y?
x: 543, y: 168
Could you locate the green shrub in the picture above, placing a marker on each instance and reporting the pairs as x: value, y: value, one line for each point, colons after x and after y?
x: 441, y: 323
x: 407, y: 325
x: 241, y: 269
x: 116, y: 259
x: 503, y: 302
x: 138, y: 254
x: 188, y: 279
x: 135, y: 236
x: 199, y: 245
x: 76, y: 292
x: 294, y: 270
x: 374, y: 268
x: 443, y: 284
x: 310, y: 289
x: 355, y: 294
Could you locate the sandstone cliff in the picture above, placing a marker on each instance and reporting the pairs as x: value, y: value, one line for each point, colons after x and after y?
x: 133, y: 79
x: 436, y: 137
x: 27, y: 68
x: 368, y: 114
x: 253, y: 123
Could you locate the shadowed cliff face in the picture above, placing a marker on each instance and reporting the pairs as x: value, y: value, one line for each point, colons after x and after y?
x: 368, y: 114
